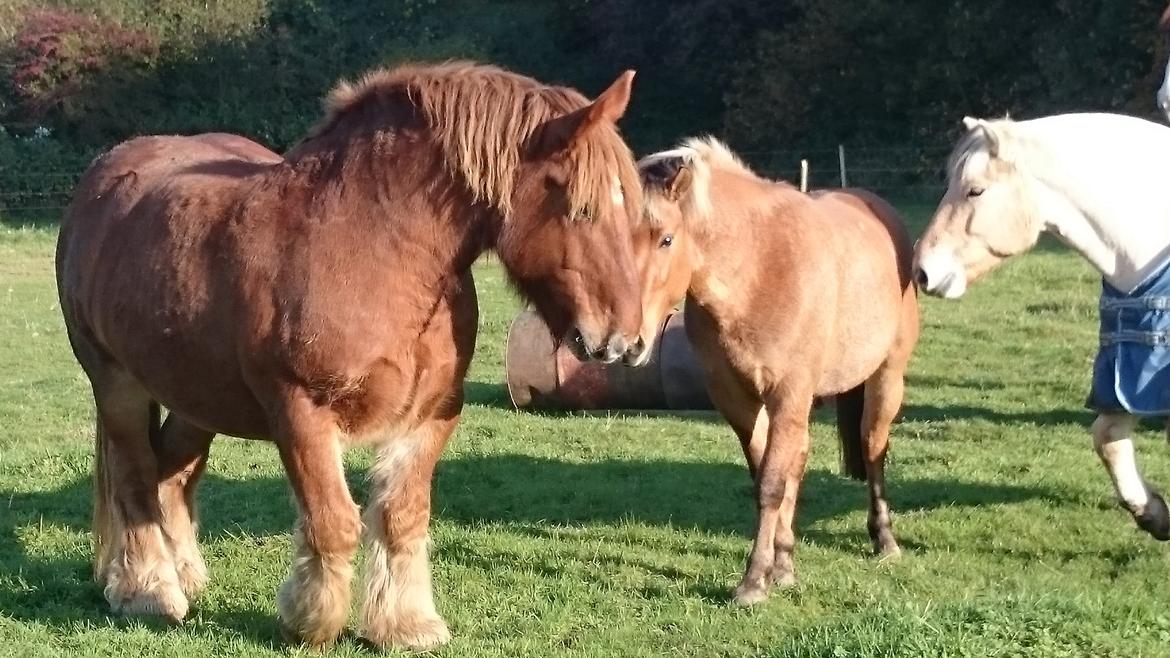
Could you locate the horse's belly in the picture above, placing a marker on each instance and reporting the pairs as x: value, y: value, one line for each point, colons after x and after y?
x: 860, y: 349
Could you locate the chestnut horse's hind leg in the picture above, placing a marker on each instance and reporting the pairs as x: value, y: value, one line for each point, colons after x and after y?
x: 399, y: 608
x: 883, y: 398
x: 313, y: 603
x: 1111, y: 438
x: 181, y: 450
x: 777, y: 487
x: 134, y: 559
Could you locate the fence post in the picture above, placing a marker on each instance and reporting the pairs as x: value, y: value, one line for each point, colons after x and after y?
x: 841, y: 164
x: 804, y: 175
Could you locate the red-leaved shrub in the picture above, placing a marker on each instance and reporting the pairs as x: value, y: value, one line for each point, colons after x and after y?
x: 68, y: 70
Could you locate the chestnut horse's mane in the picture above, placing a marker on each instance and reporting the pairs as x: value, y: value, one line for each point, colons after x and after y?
x: 485, y: 119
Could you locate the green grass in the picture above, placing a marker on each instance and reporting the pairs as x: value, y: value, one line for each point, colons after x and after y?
x: 622, y: 535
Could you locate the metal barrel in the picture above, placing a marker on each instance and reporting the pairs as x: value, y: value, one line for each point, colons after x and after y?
x: 542, y: 376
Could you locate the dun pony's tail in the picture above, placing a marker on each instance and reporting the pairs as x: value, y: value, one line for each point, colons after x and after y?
x: 850, y: 408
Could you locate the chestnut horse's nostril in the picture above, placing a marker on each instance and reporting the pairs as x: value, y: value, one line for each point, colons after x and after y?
x: 637, y: 348
x: 615, y: 347
x: 920, y: 278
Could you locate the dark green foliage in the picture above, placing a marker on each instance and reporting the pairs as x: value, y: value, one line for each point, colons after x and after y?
x: 779, y: 80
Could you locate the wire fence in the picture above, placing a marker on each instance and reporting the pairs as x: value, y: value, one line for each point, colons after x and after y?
x: 908, y: 174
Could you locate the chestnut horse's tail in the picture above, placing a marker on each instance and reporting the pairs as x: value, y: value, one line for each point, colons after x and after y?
x: 104, y: 523
x: 850, y: 408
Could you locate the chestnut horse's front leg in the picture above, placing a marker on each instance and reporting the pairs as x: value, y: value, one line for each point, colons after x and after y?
x: 399, y: 608
x: 777, y: 486
x: 1111, y: 439
x: 313, y: 602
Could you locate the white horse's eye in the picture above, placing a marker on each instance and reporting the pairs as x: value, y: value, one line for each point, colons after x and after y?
x: 974, y: 192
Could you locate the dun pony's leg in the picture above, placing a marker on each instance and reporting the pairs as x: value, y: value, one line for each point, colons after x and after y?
x: 1111, y: 438
x: 140, y: 576
x: 777, y: 486
x: 883, y: 399
x: 743, y: 411
x: 181, y: 450
x: 313, y: 603
x: 399, y: 608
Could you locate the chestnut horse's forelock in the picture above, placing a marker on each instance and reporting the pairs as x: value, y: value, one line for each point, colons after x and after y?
x: 487, y: 120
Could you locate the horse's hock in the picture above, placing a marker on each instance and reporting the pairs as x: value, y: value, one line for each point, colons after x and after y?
x: 542, y: 376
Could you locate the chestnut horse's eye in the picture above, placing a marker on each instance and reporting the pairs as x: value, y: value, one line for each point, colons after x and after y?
x: 667, y: 240
x: 974, y: 192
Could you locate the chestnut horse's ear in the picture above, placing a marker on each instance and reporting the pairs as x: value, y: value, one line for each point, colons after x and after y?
x: 670, y: 174
x: 606, y: 108
x: 612, y: 103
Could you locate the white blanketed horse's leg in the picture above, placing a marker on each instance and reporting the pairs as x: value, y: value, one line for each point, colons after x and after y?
x: 1112, y: 439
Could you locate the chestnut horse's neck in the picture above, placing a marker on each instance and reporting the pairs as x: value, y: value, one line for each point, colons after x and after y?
x: 394, y: 185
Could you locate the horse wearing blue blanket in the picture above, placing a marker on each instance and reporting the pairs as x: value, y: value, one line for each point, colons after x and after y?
x: 1098, y: 183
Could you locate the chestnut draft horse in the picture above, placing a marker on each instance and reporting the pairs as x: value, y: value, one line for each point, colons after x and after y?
x: 789, y: 297
x: 325, y: 299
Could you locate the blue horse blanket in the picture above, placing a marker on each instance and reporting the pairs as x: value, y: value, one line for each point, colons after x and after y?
x: 1132, y: 369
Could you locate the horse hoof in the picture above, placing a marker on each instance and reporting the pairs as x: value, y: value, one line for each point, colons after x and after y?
x: 192, y: 578
x: 749, y: 594
x: 302, y: 623
x: 887, y: 551
x: 165, y: 600
x: 1155, y: 518
x: 421, y: 634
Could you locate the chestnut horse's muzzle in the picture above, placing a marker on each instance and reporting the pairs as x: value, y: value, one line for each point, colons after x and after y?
x: 615, y: 347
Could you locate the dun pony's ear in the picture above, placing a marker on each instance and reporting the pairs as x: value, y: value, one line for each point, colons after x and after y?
x: 672, y: 175
x: 605, y: 109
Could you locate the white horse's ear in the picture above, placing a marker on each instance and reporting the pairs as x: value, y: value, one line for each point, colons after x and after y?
x: 995, y: 139
x: 993, y: 134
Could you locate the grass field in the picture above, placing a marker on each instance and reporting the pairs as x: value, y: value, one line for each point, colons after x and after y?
x: 623, y: 535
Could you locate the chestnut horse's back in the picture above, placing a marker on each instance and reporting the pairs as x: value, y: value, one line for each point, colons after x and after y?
x: 137, y: 241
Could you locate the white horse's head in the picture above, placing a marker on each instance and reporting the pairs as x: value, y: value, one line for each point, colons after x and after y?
x: 1164, y: 91
x: 990, y: 212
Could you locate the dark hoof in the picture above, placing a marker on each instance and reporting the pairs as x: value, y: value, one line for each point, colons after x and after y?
x: 1155, y: 518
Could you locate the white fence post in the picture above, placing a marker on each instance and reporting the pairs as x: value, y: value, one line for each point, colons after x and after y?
x: 841, y: 164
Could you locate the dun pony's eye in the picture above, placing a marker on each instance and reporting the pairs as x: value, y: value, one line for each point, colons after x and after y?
x: 974, y: 192
x: 667, y: 240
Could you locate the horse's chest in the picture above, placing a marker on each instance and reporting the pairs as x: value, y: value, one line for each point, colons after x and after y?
x: 393, y: 372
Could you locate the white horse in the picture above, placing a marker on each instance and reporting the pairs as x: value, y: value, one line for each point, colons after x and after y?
x: 1098, y: 182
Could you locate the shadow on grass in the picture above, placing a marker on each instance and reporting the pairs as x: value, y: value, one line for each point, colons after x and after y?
x: 495, y: 396
x: 1059, y: 416
x: 518, y: 494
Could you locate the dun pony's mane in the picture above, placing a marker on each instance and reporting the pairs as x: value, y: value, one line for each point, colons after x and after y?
x: 702, y: 155
x: 484, y: 119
